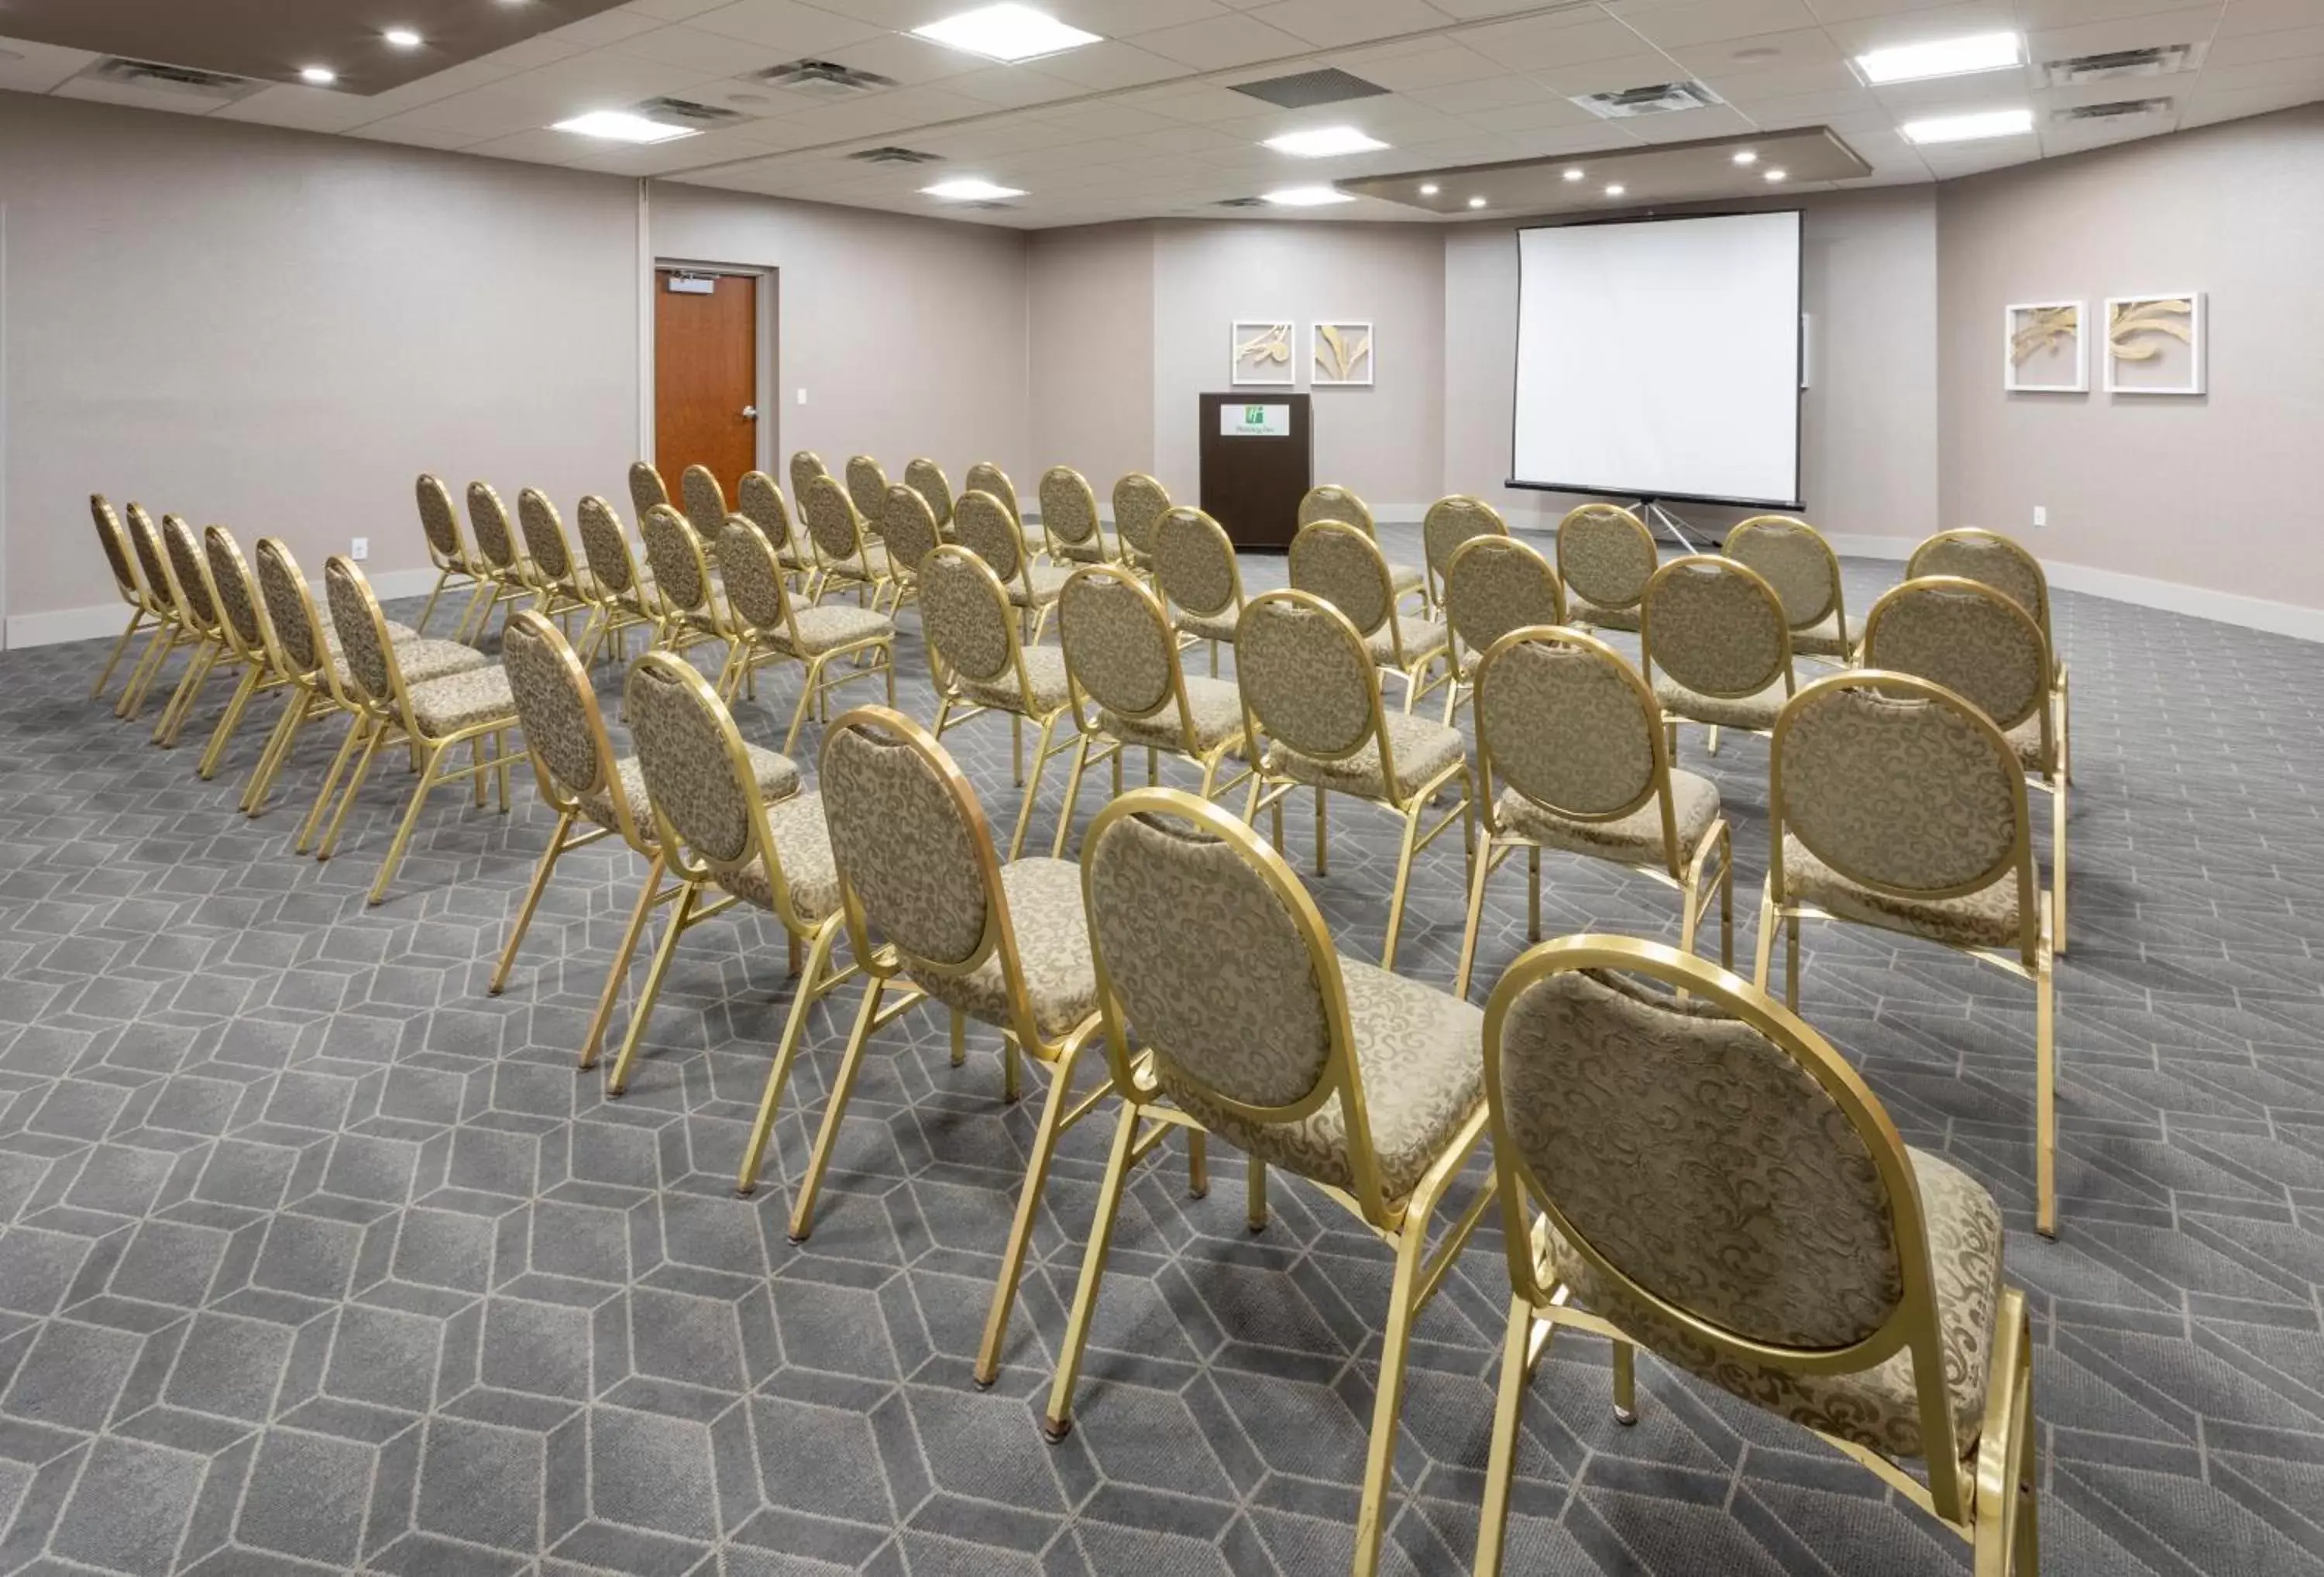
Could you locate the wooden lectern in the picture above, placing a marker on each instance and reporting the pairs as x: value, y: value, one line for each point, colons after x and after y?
x: 1258, y: 460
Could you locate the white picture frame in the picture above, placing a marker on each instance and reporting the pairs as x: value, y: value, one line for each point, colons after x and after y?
x: 2154, y: 351
x: 1260, y: 353
x: 1339, y: 353
x: 2045, y: 347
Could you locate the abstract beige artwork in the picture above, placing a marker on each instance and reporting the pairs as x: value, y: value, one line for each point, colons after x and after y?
x: 2155, y: 344
x: 1262, y: 354
x: 2042, y: 352
x: 1343, y: 351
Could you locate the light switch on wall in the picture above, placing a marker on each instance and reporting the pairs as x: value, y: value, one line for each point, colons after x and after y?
x: 2041, y: 516
x: 360, y: 549
x: 802, y: 397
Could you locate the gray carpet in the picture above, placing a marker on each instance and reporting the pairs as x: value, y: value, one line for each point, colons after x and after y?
x: 313, y: 1256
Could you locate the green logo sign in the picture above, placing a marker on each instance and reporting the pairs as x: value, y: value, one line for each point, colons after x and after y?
x: 1254, y: 416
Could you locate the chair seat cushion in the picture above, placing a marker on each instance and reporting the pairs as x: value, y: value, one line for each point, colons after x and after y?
x: 1581, y: 612
x: 1053, y: 947
x: 1405, y: 577
x: 2025, y: 739
x: 1985, y: 919
x: 828, y: 626
x: 1092, y: 551
x: 778, y: 776
x: 1422, y: 749
x: 1874, y: 1407
x: 1421, y: 638
x: 1634, y: 839
x: 421, y: 661
x: 1758, y: 712
x: 1420, y: 1052
x: 462, y: 700
x: 1216, y: 706
x: 853, y: 568
x: 1828, y: 640
x: 396, y: 632
x: 1045, y: 676
x: 1048, y: 580
x: 803, y: 844
x: 1209, y: 626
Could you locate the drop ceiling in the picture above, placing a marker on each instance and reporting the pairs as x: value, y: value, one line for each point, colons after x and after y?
x: 1148, y: 121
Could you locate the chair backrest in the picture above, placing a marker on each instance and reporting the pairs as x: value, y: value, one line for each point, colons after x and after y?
x: 754, y: 579
x: 965, y: 615
x: 1069, y: 512
x: 984, y: 476
x: 1605, y: 554
x: 986, y: 526
x: 806, y: 465
x: 1901, y: 786
x: 488, y: 522
x: 1120, y: 650
x: 1194, y: 563
x: 1974, y: 553
x: 1715, y: 626
x: 439, y: 522
x: 1494, y: 585
x: 867, y: 486
x: 705, y: 501
x: 1716, y: 1164
x: 544, y: 538
x: 185, y: 551
x: 1330, y: 502
x: 1793, y: 557
x: 1139, y: 503
x: 709, y: 817
x: 229, y: 581
x: 145, y: 542
x: 1453, y: 521
x: 1971, y: 638
x: 291, y: 617
x: 606, y: 545
x: 646, y: 487
x: 110, y: 537
x: 1563, y: 721
x: 1172, y: 886
x: 928, y: 478
x: 910, y: 526
x: 1307, y: 679
x: 832, y: 520
x: 557, y: 707
x: 1342, y: 565
x: 362, y: 632
x: 757, y: 497
x: 682, y: 574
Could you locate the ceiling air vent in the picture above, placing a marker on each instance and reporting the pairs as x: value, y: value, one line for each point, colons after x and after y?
x: 895, y: 155
x: 2158, y: 60
x: 1660, y: 98
x: 188, y: 82
x: 824, y: 78
x: 686, y: 112
x: 1306, y: 90
x: 2120, y: 109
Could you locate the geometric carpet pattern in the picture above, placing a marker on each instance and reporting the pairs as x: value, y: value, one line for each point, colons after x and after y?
x: 316, y: 1257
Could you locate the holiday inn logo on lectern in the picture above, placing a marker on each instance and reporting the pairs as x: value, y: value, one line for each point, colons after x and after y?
x: 1260, y: 421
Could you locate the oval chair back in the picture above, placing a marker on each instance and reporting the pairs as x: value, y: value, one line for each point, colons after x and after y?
x: 362, y: 636
x: 752, y: 577
x: 710, y: 818
x: 1119, y: 651
x: 1307, y: 680
x: 115, y: 545
x: 1139, y: 503
x: 564, y: 730
x: 228, y: 577
x: 910, y: 526
x: 867, y: 486
x: 704, y: 501
x: 1973, y: 639
x: 488, y: 522
x: 964, y: 612
x: 195, y: 602
x: 757, y: 499
x: 1069, y: 517
x: 606, y: 546
x: 1605, y: 555
x: 1494, y: 585
x: 544, y: 543
x: 1793, y: 557
x: 1715, y: 627
x: 440, y: 524
x: 1340, y: 563
x: 928, y: 478
x: 1194, y: 564
x: 806, y: 465
x: 1330, y: 502
x: 987, y: 528
x: 646, y: 488
x: 1451, y: 521
x: 833, y: 522
x: 291, y: 617
x: 145, y: 542
x: 681, y: 576
x: 2000, y: 562
x: 984, y: 476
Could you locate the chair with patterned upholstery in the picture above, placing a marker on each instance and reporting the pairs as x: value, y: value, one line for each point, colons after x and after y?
x: 1491, y: 586
x: 1575, y: 739
x: 559, y: 582
x: 766, y: 624
x: 1199, y: 577
x: 1895, y: 803
x: 927, y: 478
x: 1793, y: 557
x: 162, y: 596
x: 1139, y: 503
x: 434, y: 717
x: 846, y: 555
x: 909, y: 527
x: 1718, y: 635
x: 934, y: 915
x: 117, y: 558
x: 1979, y: 642
x: 1450, y: 522
x: 1130, y: 691
x: 1685, y: 1166
x: 1311, y: 693
x: 986, y: 527
x: 691, y: 601
x: 758, y: 498
x: 1365, y: 1084
x: 507, y: 573
x: 625, y: 595
x: 227, y: 576
x: 806, y: 465
x: 704, y: 501
x: 1605, y: 556
x: 1069, y: 523
x: 1342, y: 565
x: 647, y: 488
x: 1330, y: 502
x: 726, y: 816
x: 198, y: 616
x: 455, y: 563
x: 984, y: 476
x: 980, y: 664
x: 2003, y: 564
x: 867, y: 489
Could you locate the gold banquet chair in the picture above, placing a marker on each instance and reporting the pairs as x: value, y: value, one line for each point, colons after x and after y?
x: 1449, y: 523
x: 1369, y: 1085
x: 1577, y: 742
x: 984, y: 525
x: 560, y: 584
x: 507, y: 573
x: 804, y: 467
x: 2003, y: 564
x: 1977, y: 642
x: 934, y: 916
x: 703, y: 500
x: 1636, y: 1094
x: 760, y: 501
x: 647, y: 488
x: 1605, y: 557
x: 1491, y: 586
x: 1311, y: 694
x: 909, y: 527
x: 867, y: 488
x: 1330, y: 502
x: 1069, y: 522
x: 1793, y: 557
x: 1718, y: 635
x: 986, y: 477
x: 1130, y: 690
x: 623, y: 595
x: 166, y: 603
x: 199, y: 619
x: 1199, y: 578
x: 1894, y: 803
x: 448, y: 553
x: 686, y: 590
x: 766, y: 624
x: 980, y: 664
x: 845, y: 554
x: 1139, y: 503
x: 142, y: 603
x: 225, y: 576
x: 927, y: 478
x: 1343, y: 566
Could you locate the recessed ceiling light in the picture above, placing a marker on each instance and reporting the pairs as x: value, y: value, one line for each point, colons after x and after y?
x: 1306, y: 197
x: 404, y: 38
x: 1616, y: 190
x: 1428, y: 188
x: 1969, y: 128
x: 1573, y: 174
x: 970, y: 189
x: 1950, y: 57
x: 1773, y: 174
x: 1476, y: 202
x: 1745, y: 156
x: 618, y: 126
x: 1006, y: 32
x: 1323, y: 141
x: 317, y: 75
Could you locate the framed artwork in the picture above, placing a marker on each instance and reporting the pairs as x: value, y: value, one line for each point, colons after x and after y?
x: 1262, y: 354
x: 1341, y: 348
x: 2155, y: 344
x: 2042, y: 349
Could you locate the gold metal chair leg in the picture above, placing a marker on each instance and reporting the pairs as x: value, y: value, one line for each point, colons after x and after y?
x: 1509, y: 1413
x: 190, y: 691
x: 835, y: 1109
x: 358, y: 726
x: 278, y: 745
x: 361, y: 771
x: 482, y: 594
x: 120, y: 645
x: 1028, y: 1209
x: 1033, y: 793
x: 1060, y: 1420
x: 252, y: 675
x: 1792, y: 961
x: 149, y: 664
x: 2045, y: 1100
x: 1396, y: 894
x: 1533, y: 892
x: 1254, y: 1197
x: 2058, y: 865
x: 1764, y: 960
x: 1323, y: 833
x: 1481, y: 873
x: 1403, y: 1304
x: 810, y: 989
x: 618, y: 1082
x: 1017, y: 748
x: 1073, y: 793
x: 531, y: 902
x: 1625, y: 1383
x: 808, y: 690
x: 443, y: 576
x: 1198, y: 1163
x: 959, y: 1037
x: 647, y: 896
x: 435, y: 755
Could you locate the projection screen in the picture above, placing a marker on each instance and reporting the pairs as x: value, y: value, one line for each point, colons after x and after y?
x: 1660, y: 358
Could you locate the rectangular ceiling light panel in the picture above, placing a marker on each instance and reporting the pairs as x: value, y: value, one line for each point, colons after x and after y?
x: 1944, y: 57
x: 1006, y: 32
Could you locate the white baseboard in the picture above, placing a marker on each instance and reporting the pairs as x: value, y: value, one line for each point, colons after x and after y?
x: 2195, y: 601
x: 105, y: 620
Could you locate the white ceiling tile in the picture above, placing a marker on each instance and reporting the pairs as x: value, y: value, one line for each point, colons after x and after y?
x: 1222, y: 41
x: 134, y: 97
x: 1554, y: 43
x: 1639, y: 70
x: 2294, y: 72
x: 1206, y: 105
x: 672, y: 9
x: 2243, y: 16
x: 2247, y: 48
x: 1759, y: 87
x: 1331, y: 24
x: 302, y: 107
x: 1011, y: 86
x: 1686, y: 125
x: 37, y: 68
x: 607, y: 27
x: 394, y: 130
x: 1108, y: 65
x: 1433, y: 66
x: 1886, y: 29
x: 2206, y: 108
x: 1490, y: 93
x: 1699, y: 22
x: 784, y: 24
x: 2183, y: 25
x: 713, y: 54
x: 1541, y: 115
x: 1128, y: 18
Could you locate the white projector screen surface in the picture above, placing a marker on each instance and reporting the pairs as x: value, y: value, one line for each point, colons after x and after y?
x: 1660, y: 358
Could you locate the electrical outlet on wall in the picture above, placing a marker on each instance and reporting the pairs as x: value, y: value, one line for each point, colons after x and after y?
x: 2041, y: 516
x: 360, y: 549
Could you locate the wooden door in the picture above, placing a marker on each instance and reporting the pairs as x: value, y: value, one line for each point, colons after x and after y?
x: 705, y: 376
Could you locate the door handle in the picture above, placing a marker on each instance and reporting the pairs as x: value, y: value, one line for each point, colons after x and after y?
x: 749, y: 413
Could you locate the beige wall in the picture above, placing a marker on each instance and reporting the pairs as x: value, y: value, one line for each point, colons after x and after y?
x: 1091, y: 341
x: 2218, y: 492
